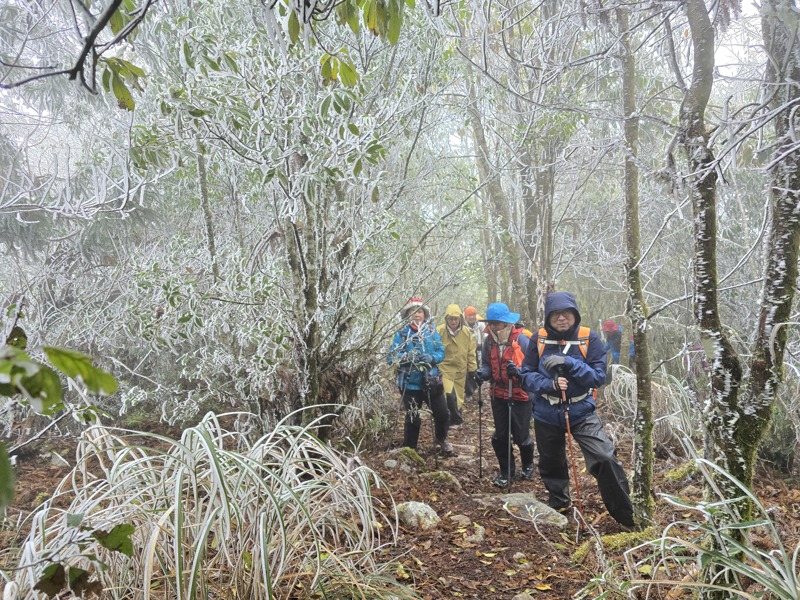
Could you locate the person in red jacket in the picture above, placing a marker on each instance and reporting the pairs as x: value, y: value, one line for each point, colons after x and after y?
x: 501, y: 357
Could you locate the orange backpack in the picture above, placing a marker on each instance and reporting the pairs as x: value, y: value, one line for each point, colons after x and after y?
x: 582, y: 342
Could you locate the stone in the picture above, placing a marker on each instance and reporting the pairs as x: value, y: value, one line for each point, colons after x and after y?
x: 408, y: 456
x: 478, y: 537
x: 442, y: 479
x: 524, y: 506
x: 523, y: 596
x: 390, y: 463
x: 461, y: 520
x: 417, y: 515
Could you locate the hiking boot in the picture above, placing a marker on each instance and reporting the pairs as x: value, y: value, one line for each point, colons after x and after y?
x: 446, y: 448
x: 500, y: 481
x: 527, y: 472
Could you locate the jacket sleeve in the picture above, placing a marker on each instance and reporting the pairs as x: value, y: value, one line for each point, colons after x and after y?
x: 486, y: 367
x: 435, y: 347
x: 533, y: 381
x: 472, y: 358
x: 589, y: 373
x: 395, y: 354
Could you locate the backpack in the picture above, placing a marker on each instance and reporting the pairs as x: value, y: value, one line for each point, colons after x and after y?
x: 582, y: 342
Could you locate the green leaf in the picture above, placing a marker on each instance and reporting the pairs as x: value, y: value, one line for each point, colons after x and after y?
x: 17, y: 338
x: 353, y: 128
x: 74, y: 519
x: 294, y: 27
x: 123, y: 94
x: 187, y: 55
x: 43, y: 390
x: 75, y: 364
x: 347, y: 73
x: 107, y: 79
x: 6, y: 478
x: 118, y: 539
x: 117, y: 22
x: 394, y: 26
x: 53, y: 580
x: 78, y: 578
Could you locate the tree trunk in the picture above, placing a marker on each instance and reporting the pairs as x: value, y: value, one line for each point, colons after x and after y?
x: 721, y: 412
x: 487, y: 253
x: 202, y: 176
x: 780, y: 24
x: 500, y: 205
x: 530, y: 239
x: 642, y: 495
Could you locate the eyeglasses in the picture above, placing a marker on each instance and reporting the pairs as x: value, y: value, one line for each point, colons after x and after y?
x: 556, y: 314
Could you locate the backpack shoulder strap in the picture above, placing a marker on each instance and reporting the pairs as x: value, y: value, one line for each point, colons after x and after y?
x: 541, y: 340
x: 582, y: 342
x: 583, y: 339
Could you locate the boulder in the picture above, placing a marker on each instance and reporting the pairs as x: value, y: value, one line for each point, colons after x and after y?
x: 417, y: 515
x: 525, y: 507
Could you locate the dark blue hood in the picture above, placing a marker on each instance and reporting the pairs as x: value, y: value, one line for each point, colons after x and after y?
x: 561, y: 301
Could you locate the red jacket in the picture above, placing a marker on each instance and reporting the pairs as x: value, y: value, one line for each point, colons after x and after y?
x: 513, y: 351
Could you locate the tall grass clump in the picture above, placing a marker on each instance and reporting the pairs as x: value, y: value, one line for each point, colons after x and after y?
x: 216, y: 516
x: 711, y: 551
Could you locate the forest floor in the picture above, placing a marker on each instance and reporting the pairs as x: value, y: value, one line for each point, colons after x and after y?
x: 514, y: 557
x: 517, y: 557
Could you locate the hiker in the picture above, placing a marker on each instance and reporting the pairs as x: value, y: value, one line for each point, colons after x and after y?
x: 477, y: 328
x: 502, y: 354
x: 416, y: 350
x: 612, y: 332
x: 459, y: 360
x: 567, y: 361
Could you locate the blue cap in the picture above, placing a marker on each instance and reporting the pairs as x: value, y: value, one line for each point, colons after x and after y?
x: 497, y: 311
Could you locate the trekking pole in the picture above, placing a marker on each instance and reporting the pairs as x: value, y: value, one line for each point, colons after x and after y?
x: 510, y: 388
x: 573, y: 467
x: 480, y: 433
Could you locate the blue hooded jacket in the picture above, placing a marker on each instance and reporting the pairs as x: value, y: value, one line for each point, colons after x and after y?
x: 584, y: 374
x: 416, y: 353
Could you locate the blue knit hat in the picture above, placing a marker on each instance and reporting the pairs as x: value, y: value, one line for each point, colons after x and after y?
x: 497, y: 311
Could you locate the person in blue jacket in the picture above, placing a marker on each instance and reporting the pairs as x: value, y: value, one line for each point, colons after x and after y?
x: 416, y: 350
x: 562, y: 367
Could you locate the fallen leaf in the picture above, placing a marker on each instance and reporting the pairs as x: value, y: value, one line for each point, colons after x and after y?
x: 543, y: 587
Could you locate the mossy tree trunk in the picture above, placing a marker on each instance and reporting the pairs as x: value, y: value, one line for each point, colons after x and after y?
x: 642, y: 495
x: 780, y: 25
x: 722, y: 412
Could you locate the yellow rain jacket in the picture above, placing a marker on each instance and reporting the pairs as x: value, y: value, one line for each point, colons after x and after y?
x: 459, y: 355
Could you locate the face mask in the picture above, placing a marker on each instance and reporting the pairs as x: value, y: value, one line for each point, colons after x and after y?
x: 501, y: 336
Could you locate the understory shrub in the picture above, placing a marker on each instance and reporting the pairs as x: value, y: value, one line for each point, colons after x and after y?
x: 214, y: 515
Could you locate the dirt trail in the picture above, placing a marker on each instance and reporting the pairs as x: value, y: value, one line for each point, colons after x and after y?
x: 514, y: 557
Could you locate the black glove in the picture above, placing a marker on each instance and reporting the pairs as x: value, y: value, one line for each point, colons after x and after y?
x: 554, y: 362
x: 481, y: 377
x: 512, y: 370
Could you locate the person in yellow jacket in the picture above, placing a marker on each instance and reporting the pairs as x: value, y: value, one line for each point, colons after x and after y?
x: 459, y: 359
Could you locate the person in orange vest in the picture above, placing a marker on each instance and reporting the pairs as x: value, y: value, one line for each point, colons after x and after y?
x: 501, y: 358
x: 563, y: 366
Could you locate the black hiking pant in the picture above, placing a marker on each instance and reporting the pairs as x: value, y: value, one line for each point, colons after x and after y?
x: 520, y: 423
x: 413, y: 401
x: 601, y: 462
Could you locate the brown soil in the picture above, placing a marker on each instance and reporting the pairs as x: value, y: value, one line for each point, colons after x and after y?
x: 517, y: 556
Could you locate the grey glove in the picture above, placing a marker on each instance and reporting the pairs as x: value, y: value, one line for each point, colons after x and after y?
x: 552, y: 362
